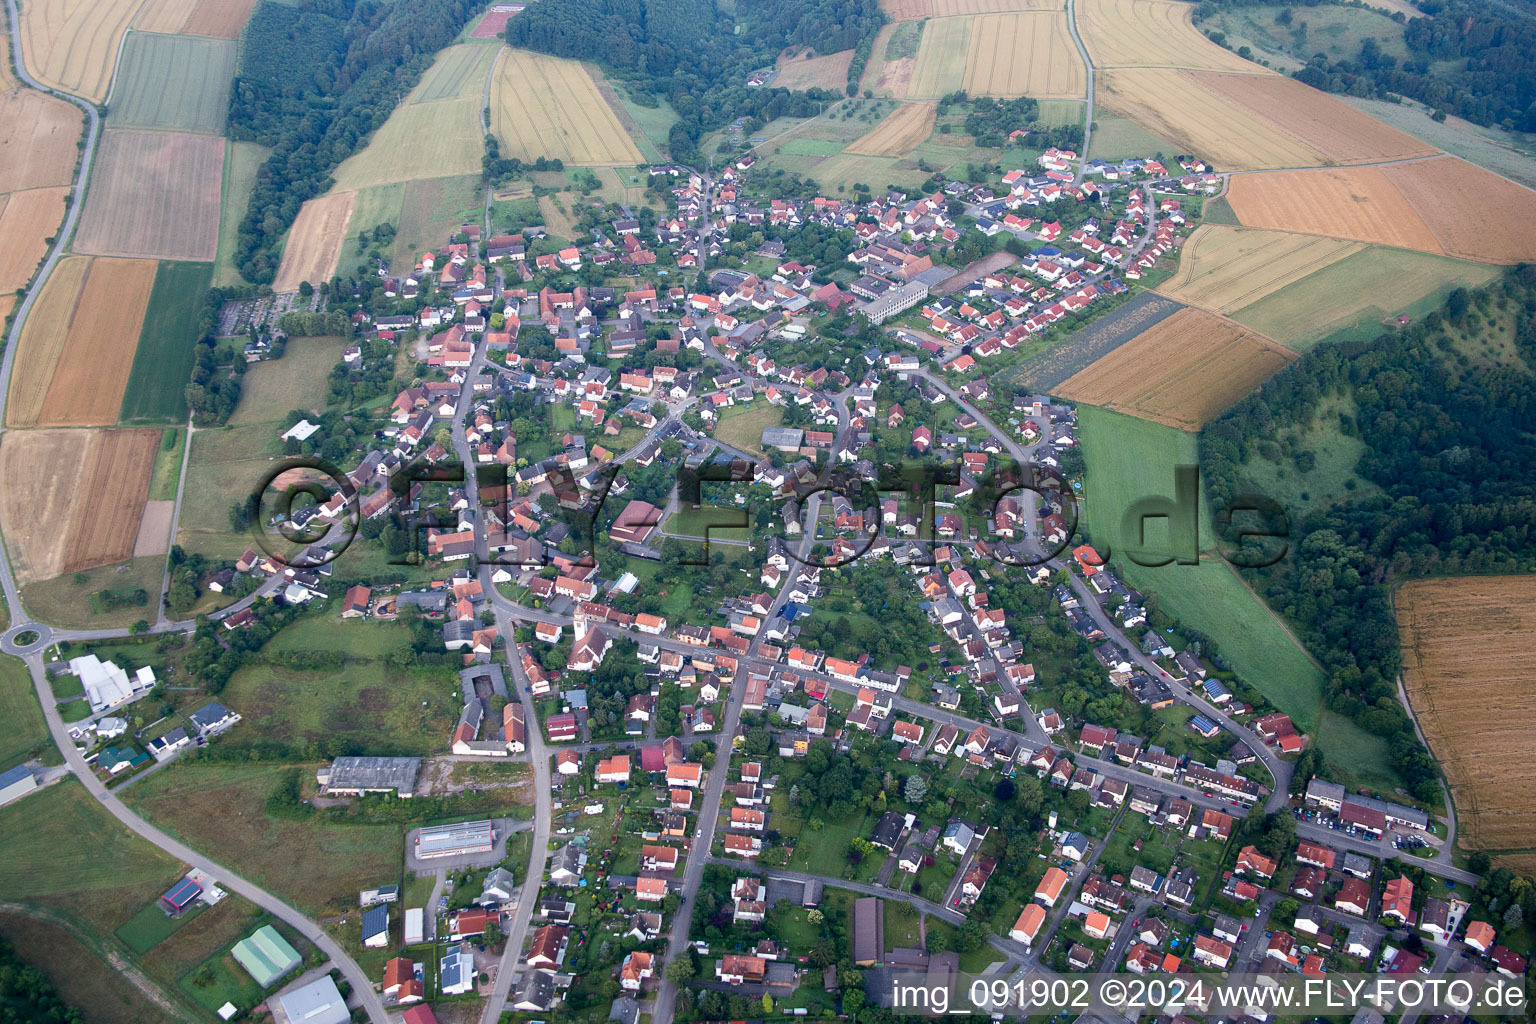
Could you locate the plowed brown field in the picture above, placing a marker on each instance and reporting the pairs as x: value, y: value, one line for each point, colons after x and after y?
x: 1335, y: 129
x: 1475, y: 214
x: 83, y: 499
x: 315, y: 241
x: 829, y: 71
x: 1469, y: 668
x: 154, y: 194
x: 1355, y: 202
x: 28, y: 218
x: 77, y: 348
x: 1182, y: 371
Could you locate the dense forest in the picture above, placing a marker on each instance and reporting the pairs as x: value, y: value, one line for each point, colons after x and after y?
x: 1470, y: 58
x: 696, y: 58
x: 315, y: 79
x: 27, y: 996
x: 1447, y: 439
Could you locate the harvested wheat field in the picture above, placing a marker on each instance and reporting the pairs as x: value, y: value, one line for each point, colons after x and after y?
x: 1223, y: 268
x: 955, y: 8
x: 1182, y: 371
x: 72, y: 44
x: 544, y: 106
x: 93, y: 484
x: 941, y: 59
x: 1469, y: 668
x: 907, y: 10
x: 222, y: 19
x: 154, y: 194
x: 38, y: 140
x: 27, y: 220
x: 42, y: 341
x: 1178, y: 106
x: 904, y: 130
x: 434, y: 132
x: 315, y: 241
x: 1350, y: 202
x: 807, y: 71
x: 1151, y: 34
x: 1475, y: 214
x: 1023, y: 54
x: 167, y: 17
x: 1335, y: 129
x: 77, y: 346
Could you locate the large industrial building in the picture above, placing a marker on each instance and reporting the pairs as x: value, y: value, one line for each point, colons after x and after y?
x: 459, y: 840
x: 319, y: 1002
x: 354, y: 776
x: 107, y: 685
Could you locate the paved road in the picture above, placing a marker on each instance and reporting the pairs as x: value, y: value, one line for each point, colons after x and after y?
x: 181, y: 489
x: 226, y: 878
x: 61, y: 241
x: 1082, y: 51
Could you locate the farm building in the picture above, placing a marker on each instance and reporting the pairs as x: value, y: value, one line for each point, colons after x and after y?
x: 376, y: 926
x: 355, y: 776
x: 319, y: 1002
x: 16, y: 782
x: 265, y: 955
x: 455, y: 840
x: 180, y: 897
x: 868, y: 932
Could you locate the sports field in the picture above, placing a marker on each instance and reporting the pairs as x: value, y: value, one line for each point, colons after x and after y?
x: 27, y: 220
x: 1468, y: 668
x: 544, y: 106
x: 907, y: 126
x: 78, y: 346
x: 315, y: 241
x: 941, y: 59
x: 1225, y: 268
x: 1359, y: 291
x: 1182, y: 371
x: 153, y: 194
x: 241, y: 162
x: 175, y: 83
x: 1023, y: 54
x: 808, y: 71
x: 72, y: 44
x: 434, y: 132
x: 1151, y: 34
x: 162, y: 365
x: 94, y: 482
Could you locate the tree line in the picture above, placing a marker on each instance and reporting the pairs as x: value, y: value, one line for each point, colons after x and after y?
x: 1449, y: 443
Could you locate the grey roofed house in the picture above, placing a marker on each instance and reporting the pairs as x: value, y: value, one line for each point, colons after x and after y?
x: 1358, y: 865
x: 868, y: 947
x: 810, y: 893
x: 433, y: 603
x: 499, y: 885
x: 534, y: 992
x: 359, y: 775
x: 556, y: 909
x: 319, y: 1002
x: 460, y: 632
x: 468, y: 677
x: 1226, y: 928
x: 375, y: 921
x: 889, y: 830
x: 213, y: 718
x: 565, y: 866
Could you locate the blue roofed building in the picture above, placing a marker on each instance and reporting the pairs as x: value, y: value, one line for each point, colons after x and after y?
x: 180, y: 897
